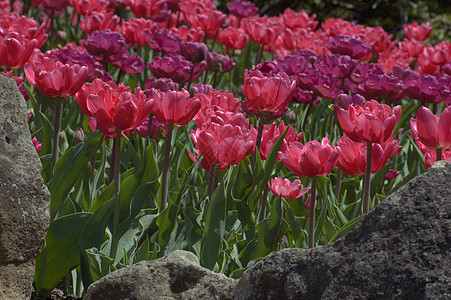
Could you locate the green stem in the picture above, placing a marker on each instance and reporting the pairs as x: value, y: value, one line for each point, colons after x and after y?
x: 117, y: 190
x: 191, y: 77
x: 309, y: 108
x: 367, y: 181
x: 264, y: 203
x: 213, y: 179
x: 56, y: 131
x: 167, y: 153
x: 311, y: 226
x: 259, y: 137
x: 339, y: 179
x: 439, y: 154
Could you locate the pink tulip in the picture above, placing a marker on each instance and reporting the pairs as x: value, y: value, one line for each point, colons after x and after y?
x: 431, y: 130
x: 372, y: 123
x: 53, y: 78
x: 289, y: 190
x: 268, y: 94
x: 312, y: 159
x: 417, y: 32
x: 174, y: 107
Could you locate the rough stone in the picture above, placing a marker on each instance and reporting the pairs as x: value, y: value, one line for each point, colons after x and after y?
x: 401, y: 250
x: 175, y: 276
x: 24, y: 199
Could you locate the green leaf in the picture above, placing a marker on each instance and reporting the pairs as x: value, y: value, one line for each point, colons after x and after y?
x: 69, y: 168
x: 345, y: 229
x: 99, y: 264
x: 61, y: 252
x: 269, y: 230
x: 296, y: 230
x: 215, y: 221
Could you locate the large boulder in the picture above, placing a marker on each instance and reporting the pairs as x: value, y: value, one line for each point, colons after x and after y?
x: 24, y: 199
x: 178, y: 275
x: 401, y: 250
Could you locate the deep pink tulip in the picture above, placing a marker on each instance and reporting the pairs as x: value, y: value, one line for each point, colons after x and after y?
x: 289, y: 190
x: 224, y: 140
x: 86, y: 7
x: 312, y: 159
x: 353, y: 156
x: 415, y: 31
x: 272, y: 133
x: 430, y: 156
x: 174, y: 107
x: 268, y: 94
x: 431, y: 130
x: 233, y: 38
x: 15, y: 50
x: 391, y: 174
x: 36, y: 144
x: 222, y: 99
x: 118, y: 110
x: 372, y: 123
x: 100, y: 21
x: 53, y: 78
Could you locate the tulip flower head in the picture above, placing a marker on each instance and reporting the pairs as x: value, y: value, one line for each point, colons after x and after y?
x: 312, y: 159
x: 272, y: 133
x: 431, y: 130
x: 289, y: 190
x: 348, y: 45
x: 174, y: 107
x: 372, y: 123
x: 242, y: 8
x: 224, y: 140
x: 415, y: 31
x: 15, y: 50
x: 105, y: 43
x: 268, y: 94
x: 55, y: 79
x: 353, y: 156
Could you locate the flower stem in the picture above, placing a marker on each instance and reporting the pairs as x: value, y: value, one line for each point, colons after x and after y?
x: 309, y: 108
x: 339, y: 179
x: 367, y: 180
x: 117, y: 189
x: 56, y: 132
x: 190, y: 77
x: 311, y: 226
x: 167, y: 154
x: 264, y: 203
x: 258, y: 141
x: 439, y: 154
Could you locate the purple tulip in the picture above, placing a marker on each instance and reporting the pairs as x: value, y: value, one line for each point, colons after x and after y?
x: 105, y: 43
x: 348, y: 45
x: 242, y: 8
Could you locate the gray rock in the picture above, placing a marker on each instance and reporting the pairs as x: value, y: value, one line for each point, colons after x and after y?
x: 175, y: 276
x: 24, y: 199
x: 401, y: 250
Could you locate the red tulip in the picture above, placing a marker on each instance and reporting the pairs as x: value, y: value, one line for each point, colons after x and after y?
x: 113, y: 109
x: 272, y: 133
x: 417, y: 32
x: 99, y: 21
x: 289, y: 190
x: 53, y: 78
x: 312, y: 159
x: 15, y: 50
x: 353, y: 156
x: 268, y: 94
x: 372, y: 123
x: 233, y: 38
x: 174, y: 107
x: 215, y: 99
x: 223, y: 140
x: 208, y: 22
x: 86, y: 7
x: 431, y: 130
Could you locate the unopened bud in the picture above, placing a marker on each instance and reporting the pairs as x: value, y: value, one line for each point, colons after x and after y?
x: 79, y: 137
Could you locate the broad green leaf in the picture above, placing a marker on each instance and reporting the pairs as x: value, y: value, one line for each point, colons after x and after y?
x: 61, y: 252
x: 69, y: 168
x: 345, y: 229
x: 100, y: 265
x: 215, y: 221
x: 296, y: 230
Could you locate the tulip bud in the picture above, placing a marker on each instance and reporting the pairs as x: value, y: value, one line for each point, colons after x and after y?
x: 62, y: 138
x: 49, y: 112
x: 194, y: 52
x: 79, y: 137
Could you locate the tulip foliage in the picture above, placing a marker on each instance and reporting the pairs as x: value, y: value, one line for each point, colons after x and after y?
x: 165, y: 125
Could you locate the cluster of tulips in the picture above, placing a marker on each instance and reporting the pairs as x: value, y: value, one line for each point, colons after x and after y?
x: 147, y: 72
